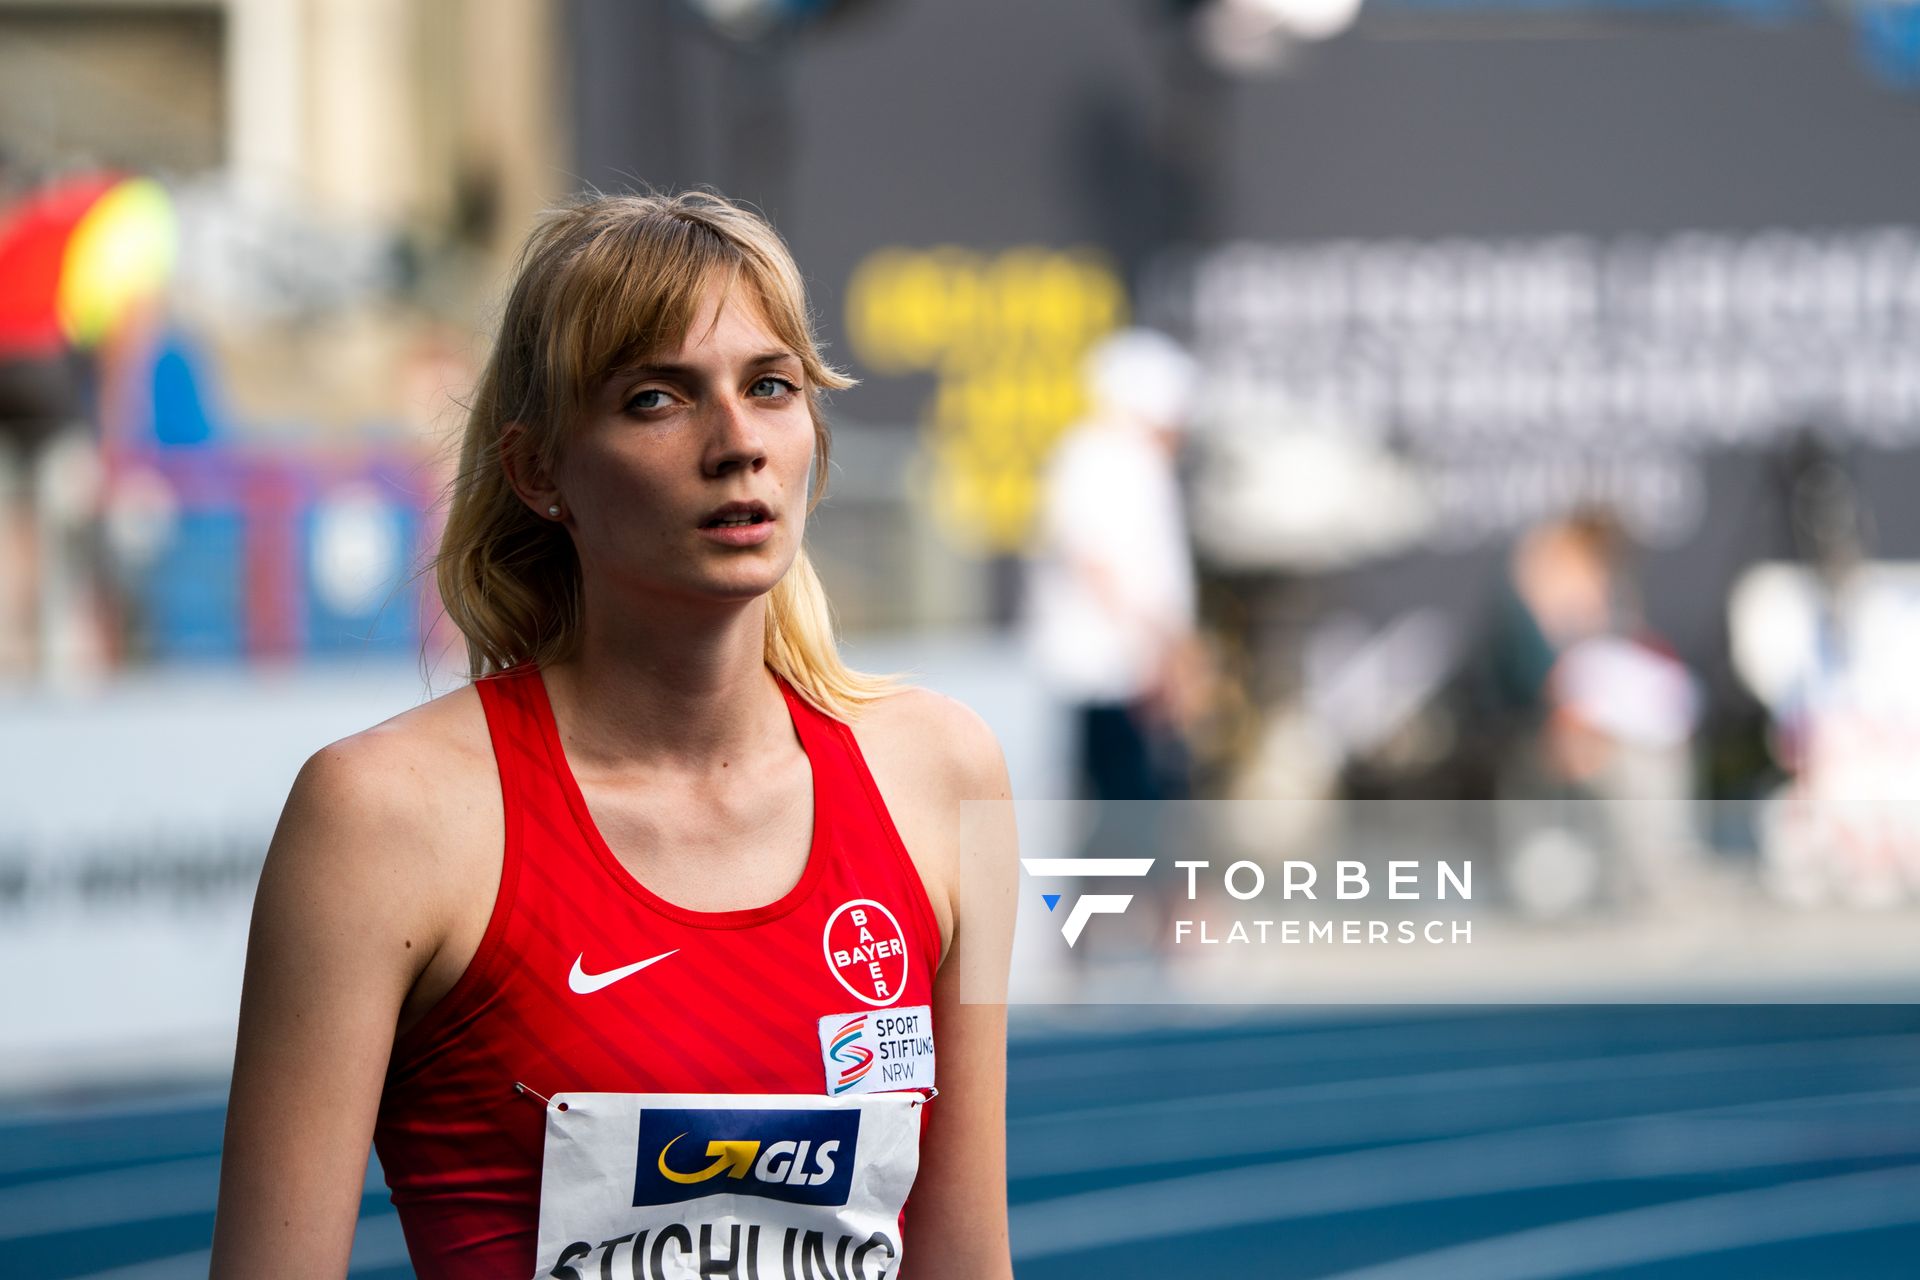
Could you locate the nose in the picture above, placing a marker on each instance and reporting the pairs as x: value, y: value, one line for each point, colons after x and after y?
x: 734, y: 438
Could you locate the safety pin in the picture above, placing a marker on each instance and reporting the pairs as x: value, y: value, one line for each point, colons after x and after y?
x: 521, y: 1088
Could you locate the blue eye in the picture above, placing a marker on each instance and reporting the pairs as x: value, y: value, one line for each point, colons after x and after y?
x: 639, y: 396
x: 780, y: 387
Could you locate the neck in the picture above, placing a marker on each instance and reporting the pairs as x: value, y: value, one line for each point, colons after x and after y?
x: 684, y: 683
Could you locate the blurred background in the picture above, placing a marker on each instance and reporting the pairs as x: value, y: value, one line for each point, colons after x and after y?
x: 1498, y: 403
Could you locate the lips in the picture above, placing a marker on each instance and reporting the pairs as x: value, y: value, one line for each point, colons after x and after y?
x: 737, y: 513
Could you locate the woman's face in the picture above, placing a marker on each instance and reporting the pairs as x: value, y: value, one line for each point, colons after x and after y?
x: 689, y: 475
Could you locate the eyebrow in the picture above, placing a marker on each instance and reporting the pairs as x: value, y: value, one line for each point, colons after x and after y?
x: 651, y: 369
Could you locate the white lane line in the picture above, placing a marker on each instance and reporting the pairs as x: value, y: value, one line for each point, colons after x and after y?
x: 1679, y: 1229
x: 87, y: 1201
x: 1547, y: 1156
x: 1769, y: 1056
x: 53, y: 1138
x: 1304, y: 1044
x: 178, y: 1266
x: 1172, y: 1139
x: 43, y: 1155
x: 377, y: 1243
x: 167, y: 1189
x: 51, y: 1113
x: 1281, y: 1047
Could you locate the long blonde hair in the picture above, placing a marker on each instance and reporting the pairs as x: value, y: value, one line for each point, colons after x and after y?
x: 604, y: 281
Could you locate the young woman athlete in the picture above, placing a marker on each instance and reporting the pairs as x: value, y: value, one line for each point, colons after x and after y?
x: 640, y: 955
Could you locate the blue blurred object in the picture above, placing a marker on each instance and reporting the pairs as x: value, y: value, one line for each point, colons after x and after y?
x: 360, y: 541
x: 180, y: 416
x: 277, y: 556
x: 1889, y: 35
x: 194, y: 597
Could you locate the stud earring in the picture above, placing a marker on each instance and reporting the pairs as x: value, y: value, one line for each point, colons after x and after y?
x: 554, y: 511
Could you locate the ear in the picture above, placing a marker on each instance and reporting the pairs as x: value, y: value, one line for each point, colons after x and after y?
x: 529, y: 479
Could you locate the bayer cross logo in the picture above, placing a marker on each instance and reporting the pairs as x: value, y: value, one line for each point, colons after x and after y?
x: 1091, y: 904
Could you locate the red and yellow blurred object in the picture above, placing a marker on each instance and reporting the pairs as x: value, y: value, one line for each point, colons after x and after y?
x: 77, y: 257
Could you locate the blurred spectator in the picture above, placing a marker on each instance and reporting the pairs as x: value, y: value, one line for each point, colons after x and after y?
x: 1111, y: 598
x: 1594, y: 706
x: 83, y: 258
x: 1826, y: 643
x: 1111, y: 609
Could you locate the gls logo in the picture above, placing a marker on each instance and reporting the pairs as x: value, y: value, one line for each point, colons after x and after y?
x: 802, y: 1157
x: 1092, y: 904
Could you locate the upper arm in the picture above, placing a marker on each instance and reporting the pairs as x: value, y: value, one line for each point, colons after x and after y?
x: 342, y: 926
x: 957, y: 1214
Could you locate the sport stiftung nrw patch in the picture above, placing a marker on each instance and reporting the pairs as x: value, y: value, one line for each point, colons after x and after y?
x: 873, y: 1050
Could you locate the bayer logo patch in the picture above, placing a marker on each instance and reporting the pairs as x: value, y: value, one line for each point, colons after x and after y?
x: 867, y: 951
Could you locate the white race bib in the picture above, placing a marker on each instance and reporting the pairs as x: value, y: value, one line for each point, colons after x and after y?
x: 660, y: 1186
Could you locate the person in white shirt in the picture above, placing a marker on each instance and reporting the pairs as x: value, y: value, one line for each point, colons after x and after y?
x: 1110, y: 609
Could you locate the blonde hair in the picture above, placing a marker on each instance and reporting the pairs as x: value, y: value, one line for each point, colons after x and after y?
x: 602, y: 282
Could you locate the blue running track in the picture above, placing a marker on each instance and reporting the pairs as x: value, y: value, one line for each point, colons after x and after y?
x: 1637, y: 1143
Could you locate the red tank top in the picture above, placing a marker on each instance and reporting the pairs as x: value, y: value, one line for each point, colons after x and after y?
x: 614, y: 1007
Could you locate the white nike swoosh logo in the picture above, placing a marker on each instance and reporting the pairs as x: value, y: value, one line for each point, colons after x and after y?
x: 585, y: 984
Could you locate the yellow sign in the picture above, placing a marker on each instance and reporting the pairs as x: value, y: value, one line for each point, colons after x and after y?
x: 1005, y: 335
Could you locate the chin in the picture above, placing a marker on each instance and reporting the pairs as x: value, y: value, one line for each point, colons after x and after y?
x: 744, y: 584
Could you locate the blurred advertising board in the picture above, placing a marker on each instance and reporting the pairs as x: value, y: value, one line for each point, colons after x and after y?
x: 132, y: 830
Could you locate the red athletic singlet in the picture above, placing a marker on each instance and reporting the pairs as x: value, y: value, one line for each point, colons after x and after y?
x: 729, y: 1093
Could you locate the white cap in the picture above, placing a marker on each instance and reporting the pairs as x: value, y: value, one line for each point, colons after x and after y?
x: 1143, y: 374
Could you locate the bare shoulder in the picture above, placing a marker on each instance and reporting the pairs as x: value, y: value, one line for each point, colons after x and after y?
x: 444, y: 739
x: 940, y: 738
x: 403, y: 813
x: 406, y: 774
x: 930, y: 754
